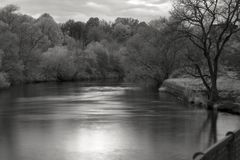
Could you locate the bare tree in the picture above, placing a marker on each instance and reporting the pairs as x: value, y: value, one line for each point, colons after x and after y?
x: 208, y: 24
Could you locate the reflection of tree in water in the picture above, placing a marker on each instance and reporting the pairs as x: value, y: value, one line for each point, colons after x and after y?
x: 210, y: 125
x: 7, y: 129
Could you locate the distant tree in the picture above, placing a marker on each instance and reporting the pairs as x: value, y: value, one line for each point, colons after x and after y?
x: 31, y: 42
x: 209, y: 25
x: 11, y: 63
x: 92, y: 26
x: 50, y: 28
x: 4, y: 80
x: 142, y: 24
x: 171, y: 47
x: 152, y: 56
x: 231, y: 56
x: 98, y: 54
x: 70, y: 42
x: 1, y: 54
x: 131, y: 22
x: 7, y: 14
x: 159, y: 24
x: 92, y: 22
x: 3, y: 76
x: 122, y: 32
x: 95, y: 34
x: 141, y: 62
x: 105, y: 26
x: 127, y: 21
x: 76, y: 30
x: 93, y: 30
x: 103, y: 60
x: 58, y: 64
x: 27, y: 44
x: 115, y: 65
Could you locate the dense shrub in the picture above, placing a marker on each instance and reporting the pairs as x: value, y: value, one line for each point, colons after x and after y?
x: 3, y: 80
x: 58, y: 64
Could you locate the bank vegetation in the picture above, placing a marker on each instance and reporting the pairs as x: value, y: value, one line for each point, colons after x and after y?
x: 200, y: 40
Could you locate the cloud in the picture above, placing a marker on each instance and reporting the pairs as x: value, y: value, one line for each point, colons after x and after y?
x: 96, y: 5
x: 82, y: 10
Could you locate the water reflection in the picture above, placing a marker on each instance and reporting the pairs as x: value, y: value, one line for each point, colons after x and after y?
x: 97, y: 121
x: 210, y: 124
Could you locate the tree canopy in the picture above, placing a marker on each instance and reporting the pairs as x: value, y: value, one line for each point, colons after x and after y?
x: 193, y: 40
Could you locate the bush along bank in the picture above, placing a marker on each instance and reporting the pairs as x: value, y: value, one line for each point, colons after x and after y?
x: 192, y: 91
x: 3, y: 81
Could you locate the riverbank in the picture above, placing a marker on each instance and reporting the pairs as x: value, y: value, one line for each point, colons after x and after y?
x: 4, y: 84
x: 192, y: 91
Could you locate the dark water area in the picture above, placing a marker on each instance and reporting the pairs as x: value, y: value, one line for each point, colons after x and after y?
x: 103, y: 121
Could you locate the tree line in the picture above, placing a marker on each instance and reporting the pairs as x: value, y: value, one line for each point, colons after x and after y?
x: 200, y: 39
x: 35, y: 50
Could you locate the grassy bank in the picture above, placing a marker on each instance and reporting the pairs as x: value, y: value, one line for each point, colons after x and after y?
x: 193, y: 91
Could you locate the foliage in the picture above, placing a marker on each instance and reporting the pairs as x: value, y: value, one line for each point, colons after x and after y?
x: 122, y: 32
x: 209, y: 25
x: 105, y: 64
x: 50, y: 28
x: 43, y: 50
x: 58, y: 64
x: 3, y: 80
x: 152, y: 55
x: 76, y: 30
x: 11, y: 62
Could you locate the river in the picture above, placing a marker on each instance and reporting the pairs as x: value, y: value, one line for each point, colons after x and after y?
x: 103, y: 121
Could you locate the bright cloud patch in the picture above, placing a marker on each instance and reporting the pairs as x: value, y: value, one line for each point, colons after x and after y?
x: 144, y: 10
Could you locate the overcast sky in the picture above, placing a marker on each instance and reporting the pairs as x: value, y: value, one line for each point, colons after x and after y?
x: 62, y: 10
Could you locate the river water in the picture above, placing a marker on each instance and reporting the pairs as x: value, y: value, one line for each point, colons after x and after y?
x: 103, y: 121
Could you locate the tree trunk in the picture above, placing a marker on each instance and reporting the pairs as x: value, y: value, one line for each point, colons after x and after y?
x: 213, y: 95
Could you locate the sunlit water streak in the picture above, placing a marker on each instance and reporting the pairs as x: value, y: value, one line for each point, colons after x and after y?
x: 97, y: 121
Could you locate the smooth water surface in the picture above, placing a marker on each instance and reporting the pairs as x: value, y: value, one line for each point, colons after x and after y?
x: 103, y: 121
